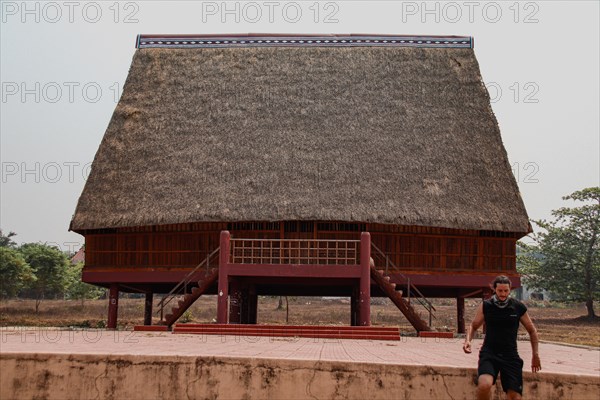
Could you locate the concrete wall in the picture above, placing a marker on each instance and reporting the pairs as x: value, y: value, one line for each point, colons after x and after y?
x: 66, y: 376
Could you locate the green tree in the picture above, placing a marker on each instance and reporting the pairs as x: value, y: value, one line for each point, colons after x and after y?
x: 50, y: 266
x: 76, y: 289
x: 15, y: 272
x: 564, y: 258
x: 6, y: 241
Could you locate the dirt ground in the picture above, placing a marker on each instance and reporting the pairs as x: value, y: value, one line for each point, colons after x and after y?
x: 555, y: 322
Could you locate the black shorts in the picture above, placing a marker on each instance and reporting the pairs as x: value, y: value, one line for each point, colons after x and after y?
x: 510, y: 367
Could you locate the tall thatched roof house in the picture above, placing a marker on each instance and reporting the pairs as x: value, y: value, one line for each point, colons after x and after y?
x: 302, y: 137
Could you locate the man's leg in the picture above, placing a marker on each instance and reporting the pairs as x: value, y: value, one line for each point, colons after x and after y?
x: 484, y: 386
x: 487, y: 372
x: 511, y: 375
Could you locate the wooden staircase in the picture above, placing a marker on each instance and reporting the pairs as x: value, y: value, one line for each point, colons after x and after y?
x: 189, y: 298
x: 200, y: 279
x: 389, y: 288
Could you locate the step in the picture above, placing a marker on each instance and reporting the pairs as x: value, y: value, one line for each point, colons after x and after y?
x: 324, y: 332
x: 305, y: 335
x: 279, y: 332
x: 290, y: 327
x: 397, y: 294
x: 360, y: 334
x: 293, y: 331
x: 434, y: 334
x: 151, y: 328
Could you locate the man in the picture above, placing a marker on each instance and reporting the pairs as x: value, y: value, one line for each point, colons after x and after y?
x: 498, y: 354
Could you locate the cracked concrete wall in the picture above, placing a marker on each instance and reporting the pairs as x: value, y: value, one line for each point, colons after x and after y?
x: 66, y: 376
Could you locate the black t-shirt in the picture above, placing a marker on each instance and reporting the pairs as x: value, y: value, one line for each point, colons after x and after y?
x: 501, y: 325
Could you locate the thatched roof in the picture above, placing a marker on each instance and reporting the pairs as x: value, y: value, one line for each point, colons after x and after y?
x: 358, y: 131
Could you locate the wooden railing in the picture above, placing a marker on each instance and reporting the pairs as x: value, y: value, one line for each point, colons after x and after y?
x: 382, y: 261
x: 211, y: 261
x: 295, y: 251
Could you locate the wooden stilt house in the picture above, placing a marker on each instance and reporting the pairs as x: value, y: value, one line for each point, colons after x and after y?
x: 341, y: 165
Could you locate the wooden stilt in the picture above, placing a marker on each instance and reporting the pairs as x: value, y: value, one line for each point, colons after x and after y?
x: 354, y: 306
x: 252, y: 306
x: 460, y: 314
x: 148, y: 308
x: 113, y: 306
x: 223, y: 286
x: 365, y: 280
x: 235, y: 303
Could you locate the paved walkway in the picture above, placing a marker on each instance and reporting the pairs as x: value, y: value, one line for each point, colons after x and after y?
x: 409, y: 351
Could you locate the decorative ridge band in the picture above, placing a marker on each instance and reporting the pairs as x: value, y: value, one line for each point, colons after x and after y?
x: 273, y: 40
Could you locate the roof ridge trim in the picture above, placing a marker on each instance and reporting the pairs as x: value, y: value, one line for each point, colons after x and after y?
x: 276, y: 40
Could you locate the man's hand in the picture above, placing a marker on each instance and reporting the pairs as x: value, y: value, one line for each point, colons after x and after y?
x: 536, y: 364
x: 467, y: 347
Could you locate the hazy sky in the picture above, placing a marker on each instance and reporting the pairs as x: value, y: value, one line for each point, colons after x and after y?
x: 63, y: 65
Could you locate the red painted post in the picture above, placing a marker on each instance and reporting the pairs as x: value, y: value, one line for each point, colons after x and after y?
x: 364, y: 296
x: 113, y: 306
x: 223, y: 288
x: 460, y: 314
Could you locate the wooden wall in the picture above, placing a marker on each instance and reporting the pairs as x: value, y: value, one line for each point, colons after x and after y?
x: 418, y: 249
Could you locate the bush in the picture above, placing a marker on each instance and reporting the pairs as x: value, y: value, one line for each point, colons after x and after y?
x: 186, y: 317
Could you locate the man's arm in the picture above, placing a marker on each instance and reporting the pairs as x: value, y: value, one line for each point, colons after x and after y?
x: 477, y: 322
x: 536, y: 364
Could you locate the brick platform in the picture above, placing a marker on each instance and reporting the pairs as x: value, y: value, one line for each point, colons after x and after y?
x: 143, y: 365
x: 408, y: 351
